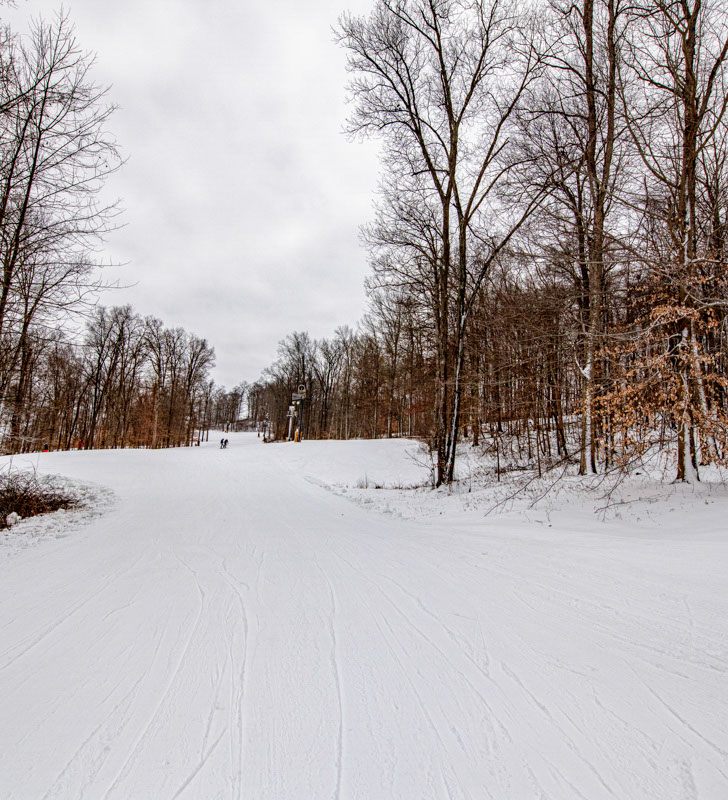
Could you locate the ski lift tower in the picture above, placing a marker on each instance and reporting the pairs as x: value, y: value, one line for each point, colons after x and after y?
x: 298, y: 397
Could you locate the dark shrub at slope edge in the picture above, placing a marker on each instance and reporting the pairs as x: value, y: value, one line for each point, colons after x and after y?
x: 24, y: 494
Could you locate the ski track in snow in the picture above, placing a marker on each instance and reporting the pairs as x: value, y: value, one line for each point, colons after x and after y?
x: 231, y: 628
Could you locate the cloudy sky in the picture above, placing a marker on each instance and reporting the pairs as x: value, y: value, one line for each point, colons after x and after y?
x: 242, y: 196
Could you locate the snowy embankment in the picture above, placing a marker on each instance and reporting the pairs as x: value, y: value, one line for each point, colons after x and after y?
x: 373, y: 474
x: 232, y: 625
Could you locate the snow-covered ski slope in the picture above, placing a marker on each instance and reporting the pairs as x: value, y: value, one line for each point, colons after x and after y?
x: 228, y: 628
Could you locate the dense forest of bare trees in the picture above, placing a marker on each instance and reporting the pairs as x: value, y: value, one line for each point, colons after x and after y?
x: 128, y: 382
x: 548, y: 252
x: 549, y: 249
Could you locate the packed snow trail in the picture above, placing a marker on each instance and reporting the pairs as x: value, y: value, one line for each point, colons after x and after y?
x: 230, y: 629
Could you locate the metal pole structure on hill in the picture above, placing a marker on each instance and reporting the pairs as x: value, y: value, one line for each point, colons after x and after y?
x: 299, y: 397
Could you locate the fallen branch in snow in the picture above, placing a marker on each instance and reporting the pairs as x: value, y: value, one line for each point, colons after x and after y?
x: 523, y: 485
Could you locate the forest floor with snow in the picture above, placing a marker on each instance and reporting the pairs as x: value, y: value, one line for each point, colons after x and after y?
x: 312, y: 621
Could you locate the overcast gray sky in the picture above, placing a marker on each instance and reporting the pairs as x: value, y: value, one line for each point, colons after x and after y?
x: 243, y: 197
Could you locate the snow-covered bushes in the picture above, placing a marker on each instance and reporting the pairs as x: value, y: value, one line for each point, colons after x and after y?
x: 24, y: 494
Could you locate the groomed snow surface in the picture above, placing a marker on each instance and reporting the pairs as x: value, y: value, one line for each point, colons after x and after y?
x: 261, y: 622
